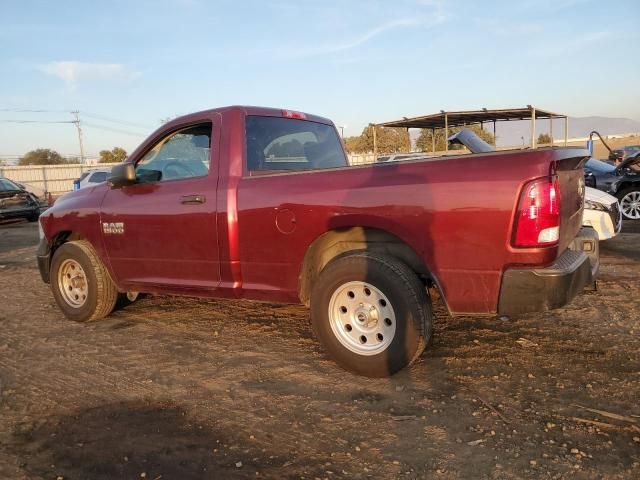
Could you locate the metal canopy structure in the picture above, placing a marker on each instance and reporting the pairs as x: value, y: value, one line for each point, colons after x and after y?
x: 445, y: 120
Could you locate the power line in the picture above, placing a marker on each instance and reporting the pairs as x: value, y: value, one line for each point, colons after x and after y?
x: 112, y: 129
x: 73, y: 112
x: 21, y: 110
x: 36, y: 121
x: 114, y: 120
x: 78, y: 123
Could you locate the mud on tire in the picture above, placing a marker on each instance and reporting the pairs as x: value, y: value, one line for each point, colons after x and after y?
x: 80, y: 282
x: 371, y: 313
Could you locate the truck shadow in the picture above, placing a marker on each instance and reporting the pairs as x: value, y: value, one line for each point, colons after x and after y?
x: 128, y: 439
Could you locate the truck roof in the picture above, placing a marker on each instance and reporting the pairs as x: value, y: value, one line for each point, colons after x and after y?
x: 255, y: 110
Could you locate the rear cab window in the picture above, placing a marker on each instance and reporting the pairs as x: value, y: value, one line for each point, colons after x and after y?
x: 275, y: 144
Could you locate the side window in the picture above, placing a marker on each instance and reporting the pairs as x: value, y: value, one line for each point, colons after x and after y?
x: 182, y: 154
x: 275, y: 143
x: 98, y: 177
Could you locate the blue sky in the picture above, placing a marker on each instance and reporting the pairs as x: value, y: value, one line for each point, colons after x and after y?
x: 354, y: 61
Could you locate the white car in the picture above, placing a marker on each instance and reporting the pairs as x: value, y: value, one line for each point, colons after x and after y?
x: 91, y: 177
x: 602, y: 213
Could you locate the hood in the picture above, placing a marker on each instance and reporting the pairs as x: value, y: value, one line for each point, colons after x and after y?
x: 595, y: 195
x: 634, y: 160
x: 37, y: 191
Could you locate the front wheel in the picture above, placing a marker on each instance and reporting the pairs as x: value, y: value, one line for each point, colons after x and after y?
x: 371, y: 313
x: 630, y: 202
x: 80, y: 282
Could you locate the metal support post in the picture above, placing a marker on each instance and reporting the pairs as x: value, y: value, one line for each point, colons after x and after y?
x: 446, y: 132
x: 533, y: 127
x: 375, y: 144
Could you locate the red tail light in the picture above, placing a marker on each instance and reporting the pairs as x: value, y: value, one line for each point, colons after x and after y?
x: 292, y: 114
x: 538, y: 218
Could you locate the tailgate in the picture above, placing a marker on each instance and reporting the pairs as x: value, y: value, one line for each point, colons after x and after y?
x: 568, y: 166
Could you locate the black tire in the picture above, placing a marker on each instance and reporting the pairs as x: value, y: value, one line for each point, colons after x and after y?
x: 33, y: 217
x: 621, y: 194
x: 408, y: 298
x: 101, y: 291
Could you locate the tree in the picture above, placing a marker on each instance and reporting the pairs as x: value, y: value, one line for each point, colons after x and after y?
x: 116, y: 155
x: 388, y: 140
x: 425, y: 141
x: 42, y: 156
x: 544, y: 139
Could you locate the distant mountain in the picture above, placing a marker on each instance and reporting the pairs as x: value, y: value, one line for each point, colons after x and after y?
x: 512, y: 133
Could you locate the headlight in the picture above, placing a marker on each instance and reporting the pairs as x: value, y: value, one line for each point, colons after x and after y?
x: 591, y: 205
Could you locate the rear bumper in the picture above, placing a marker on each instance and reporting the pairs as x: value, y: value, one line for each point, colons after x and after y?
x: 536, y: 290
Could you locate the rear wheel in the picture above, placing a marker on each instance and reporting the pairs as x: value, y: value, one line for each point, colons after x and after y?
x: 371, y: 313
x: 80, y: 282
x: 630, y: 202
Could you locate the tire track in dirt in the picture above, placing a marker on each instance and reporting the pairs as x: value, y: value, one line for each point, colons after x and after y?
x: 187, y: 388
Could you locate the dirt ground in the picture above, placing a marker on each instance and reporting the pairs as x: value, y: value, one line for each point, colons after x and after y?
x: 177, y: 388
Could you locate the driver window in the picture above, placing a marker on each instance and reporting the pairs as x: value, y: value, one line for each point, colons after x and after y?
x: 183, y: 154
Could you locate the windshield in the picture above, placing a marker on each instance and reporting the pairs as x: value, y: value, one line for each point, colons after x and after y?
x: 8, y: 185
x: 598, y: 166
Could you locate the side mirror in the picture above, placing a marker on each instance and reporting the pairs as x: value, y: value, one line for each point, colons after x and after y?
x: 122, y: 175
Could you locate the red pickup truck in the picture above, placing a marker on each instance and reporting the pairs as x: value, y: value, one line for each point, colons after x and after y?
x: 260, y: 203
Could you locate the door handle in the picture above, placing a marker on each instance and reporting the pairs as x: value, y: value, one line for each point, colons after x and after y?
x: 193, y: 199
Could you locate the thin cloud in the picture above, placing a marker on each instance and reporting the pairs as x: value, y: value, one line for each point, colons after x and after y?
x: 552, y: 5
x: 73, y: 72
x: 573, y: 45
x: 393, y: 25
x: 518, y: 29
x: 350, y: 44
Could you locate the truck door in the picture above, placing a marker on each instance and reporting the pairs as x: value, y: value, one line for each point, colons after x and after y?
x: 162, y: 230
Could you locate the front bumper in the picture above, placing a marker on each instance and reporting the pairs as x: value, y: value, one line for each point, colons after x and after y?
x: 607, y: 223
x: 540, y: 289
x: 44, y: 259
x: 18, y: 213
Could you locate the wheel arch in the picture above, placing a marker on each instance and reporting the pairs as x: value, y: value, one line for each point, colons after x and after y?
x: 61, y: 237
x: 339, y: 241
x: 625, y: 184
x: 47, y: 249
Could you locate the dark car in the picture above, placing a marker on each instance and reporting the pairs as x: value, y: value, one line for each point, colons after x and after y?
x: 622, y: 181
x: 16, y: 202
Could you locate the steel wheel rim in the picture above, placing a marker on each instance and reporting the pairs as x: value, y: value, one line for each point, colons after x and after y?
x: 630, y: 205
x: 72, y: 283
x: 362, y: 318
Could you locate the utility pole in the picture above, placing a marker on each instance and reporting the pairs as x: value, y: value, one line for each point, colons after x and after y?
x: 76, y: 114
